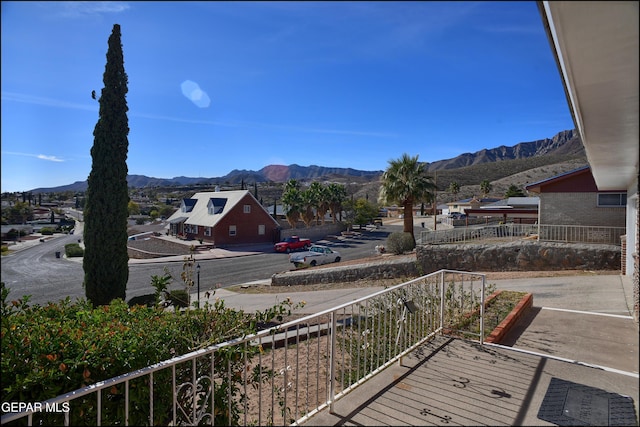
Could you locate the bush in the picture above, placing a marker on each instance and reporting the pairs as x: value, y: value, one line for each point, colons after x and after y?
x: 178, y: 298
x: 60, y: 347
x: 400, y: 242
x: 47, y: 231
x: 73, y: 250
x: 14, y: 234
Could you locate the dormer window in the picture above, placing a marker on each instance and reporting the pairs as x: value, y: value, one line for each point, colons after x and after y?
x: 187, y: 205
x: 216, y: 205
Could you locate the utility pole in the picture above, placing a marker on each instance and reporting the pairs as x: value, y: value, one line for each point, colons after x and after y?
x: 435, y: 197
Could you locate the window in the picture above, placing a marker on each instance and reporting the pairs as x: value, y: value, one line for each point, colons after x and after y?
x: 187, y: 205
x: 232, y: 230
x: 207, y: 231
x: 612, y: 199
x: 247, y: 208
x: 216, y: 205
x: 261, y: 230
x: 194, y: 229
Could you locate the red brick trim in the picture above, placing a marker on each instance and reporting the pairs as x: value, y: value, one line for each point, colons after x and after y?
x: 512, y: 318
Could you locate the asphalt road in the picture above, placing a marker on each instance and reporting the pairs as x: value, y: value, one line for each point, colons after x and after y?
x: 37, y: 272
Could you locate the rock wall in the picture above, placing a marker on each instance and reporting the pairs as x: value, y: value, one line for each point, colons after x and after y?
x: 384, y: 269
x: 514, y: 256
x: 518, y: 256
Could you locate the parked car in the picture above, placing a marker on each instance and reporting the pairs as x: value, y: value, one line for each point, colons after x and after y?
x: 316, y: 255
x: 457, y: 215
x: 293, y: 243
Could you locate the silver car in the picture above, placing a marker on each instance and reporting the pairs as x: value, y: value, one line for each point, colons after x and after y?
x: 316, y: 255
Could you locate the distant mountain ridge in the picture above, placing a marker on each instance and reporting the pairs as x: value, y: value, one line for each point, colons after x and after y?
x: 565, y: 143
x: 562, y: 144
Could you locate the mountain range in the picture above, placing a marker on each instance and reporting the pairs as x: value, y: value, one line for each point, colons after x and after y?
x: 565, y: 144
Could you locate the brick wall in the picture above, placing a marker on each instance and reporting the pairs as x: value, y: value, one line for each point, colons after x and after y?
x: 578, y: 209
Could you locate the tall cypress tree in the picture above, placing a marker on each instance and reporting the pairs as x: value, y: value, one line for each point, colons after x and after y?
x: 105, y: 263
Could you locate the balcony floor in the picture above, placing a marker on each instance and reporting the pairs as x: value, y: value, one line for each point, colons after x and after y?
x: 565, y: 367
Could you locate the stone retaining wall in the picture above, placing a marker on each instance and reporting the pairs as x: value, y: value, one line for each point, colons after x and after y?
x: 518, y: 256
x: 385, y: 269
x: 514, y: 256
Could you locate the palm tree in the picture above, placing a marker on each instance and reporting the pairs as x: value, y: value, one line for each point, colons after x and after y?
x: 292, y: 201
x: 319, y: 197
x: 485, y: 187
x: 406, y: 182
x: 306, y: 208
x: 337, y: 194
x: 454, y: 188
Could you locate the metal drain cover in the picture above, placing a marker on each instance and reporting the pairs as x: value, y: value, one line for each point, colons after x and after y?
x: 570, y: 404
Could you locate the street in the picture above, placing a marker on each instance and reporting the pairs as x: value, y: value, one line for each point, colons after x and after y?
x: 37, y: 272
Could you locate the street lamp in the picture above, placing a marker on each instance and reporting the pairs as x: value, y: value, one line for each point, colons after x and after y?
x: 198, y: 270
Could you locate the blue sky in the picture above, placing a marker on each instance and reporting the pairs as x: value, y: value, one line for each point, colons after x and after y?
x: 217, y: 86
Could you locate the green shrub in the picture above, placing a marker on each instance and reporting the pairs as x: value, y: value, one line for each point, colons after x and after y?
x: 178, y: 298
x: 60, y: 347
x: 400, y: 242
x: 47, y: 231
x: 73, y: 250
x: 5, y: 249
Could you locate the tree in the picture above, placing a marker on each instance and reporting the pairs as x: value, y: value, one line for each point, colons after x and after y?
x: 19, y: 213
x: 364, y: 212
x: 319, y: 198
x: 454, y: 188
x: 105, y: 262
x: 514, y: 191
x: 485, y: 187
x: 337, y: 194
x: 406, y: 182
x: 133, y: 208
x: 292, y: 202
x: 306, y: 207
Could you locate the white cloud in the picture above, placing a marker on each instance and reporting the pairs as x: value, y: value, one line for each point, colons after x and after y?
x: 49, y: 102
x: 73, y: 9
x: 38, y: 156
x: 50, y: 158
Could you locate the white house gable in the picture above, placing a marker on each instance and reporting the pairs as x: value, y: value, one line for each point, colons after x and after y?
x: 187, y: 205
x: 216, y: 205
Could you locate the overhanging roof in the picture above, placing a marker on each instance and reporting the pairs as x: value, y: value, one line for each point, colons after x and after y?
x: 596, y: 48
x: 508, y: 213
x: 178, y: 220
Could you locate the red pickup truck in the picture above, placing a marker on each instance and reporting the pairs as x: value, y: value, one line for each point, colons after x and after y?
x: 292, y: 243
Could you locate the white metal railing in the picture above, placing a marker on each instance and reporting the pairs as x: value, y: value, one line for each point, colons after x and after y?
x: 511, y: 231
x: 282, y: 375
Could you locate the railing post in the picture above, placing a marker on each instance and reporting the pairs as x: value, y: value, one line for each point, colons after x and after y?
x: 482, y: 312
x: 441, y: 300
x: 332, y: 362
